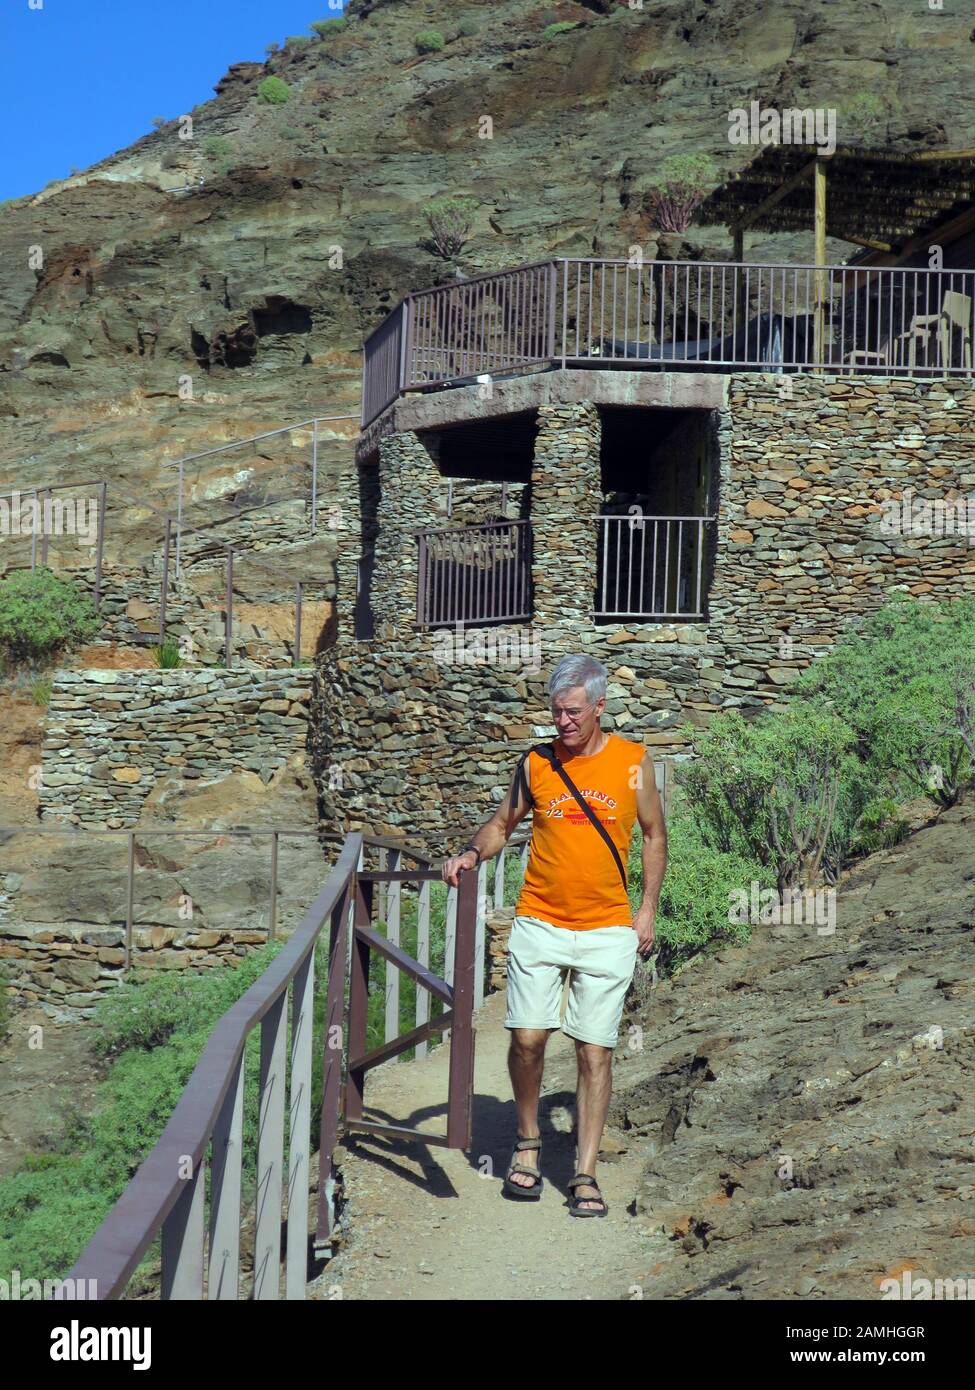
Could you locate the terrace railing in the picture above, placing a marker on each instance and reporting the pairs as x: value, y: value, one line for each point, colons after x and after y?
x: 474, y: 574
x: 653, y: 566
x: 701, y: 315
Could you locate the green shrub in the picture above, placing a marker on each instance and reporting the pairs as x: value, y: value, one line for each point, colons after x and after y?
x: 167, y: 654
x: 468, y: 26
x: 290, y: 132
x: 696, y: 894
x: 41, y: 693
x: 904, y: 679
x: 272, y: 48
x: 159, y: 122
x: 879, y: 827
x: 429, y: 41
x: 450, y: 221
x: 144, y: 1011
x: 785, y: 789
x: 298, y: 41
x: 562, y: 27
x: 676, y: 189
x: 218, y: 149
x: 273, y: 91
x: 324, y: 27
x: 41, y: 615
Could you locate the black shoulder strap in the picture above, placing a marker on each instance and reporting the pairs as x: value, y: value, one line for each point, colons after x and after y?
x: 521, y: 781
x: 547, y: 751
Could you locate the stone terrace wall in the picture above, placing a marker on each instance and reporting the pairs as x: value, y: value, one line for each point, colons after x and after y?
x: 801, y: 548
x: 109, y: 734
x: 409, y: 736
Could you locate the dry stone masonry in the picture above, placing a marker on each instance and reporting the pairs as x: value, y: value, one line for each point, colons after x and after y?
x: 111, y: 734
x: 416, y: 733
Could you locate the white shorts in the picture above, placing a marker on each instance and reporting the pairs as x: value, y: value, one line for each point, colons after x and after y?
x: 601, y: 961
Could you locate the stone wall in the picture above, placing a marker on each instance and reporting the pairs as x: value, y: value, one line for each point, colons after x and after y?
x: 418, y: 732
x: 110, y: 734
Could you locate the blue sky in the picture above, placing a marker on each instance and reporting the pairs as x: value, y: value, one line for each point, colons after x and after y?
x: 84, y: 78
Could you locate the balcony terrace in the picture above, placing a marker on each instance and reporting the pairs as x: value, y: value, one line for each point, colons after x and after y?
x: 675, y: 315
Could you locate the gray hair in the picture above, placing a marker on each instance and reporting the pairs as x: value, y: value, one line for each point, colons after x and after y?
x: 579, y: 670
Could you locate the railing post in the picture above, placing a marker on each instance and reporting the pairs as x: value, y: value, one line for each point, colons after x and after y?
x: 394, y: 861
x: 358, y: 1001
x: 45, y: 496
x: 480, y: 931
x: 299, y: 1146
x: 553, y: 289
x: 404, y: 345
x: 33, y: 530
x: 102, y: 504
x: 499, y: 879
x: 223, y: 1268
x: 314, y: 474
x: 229, y: 625
x: 450, y: 938
x: 182, y: 1241
x: 179, y: 522
x: 819, y: 185
x: 296, y: 659
x: 333, y: 1048
x: 129, y: 897
x: 270, y: 1153
x: 461, y: 1072
x: 273, y: 915
x: 165, y: 582
x: 423, y: 956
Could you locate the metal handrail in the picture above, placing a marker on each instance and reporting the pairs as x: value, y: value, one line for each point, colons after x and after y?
x: 167, y: 1194
x: 871, y: 336
x: 114, y: 1251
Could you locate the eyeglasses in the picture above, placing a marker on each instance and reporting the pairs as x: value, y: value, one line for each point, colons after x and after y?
x: 572, y: 713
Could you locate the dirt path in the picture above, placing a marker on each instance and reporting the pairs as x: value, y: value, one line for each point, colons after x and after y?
x: 431, y: 1223
x: 798, y: 1124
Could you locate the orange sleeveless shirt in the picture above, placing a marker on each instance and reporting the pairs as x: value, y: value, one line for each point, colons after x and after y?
x: 571, y: 879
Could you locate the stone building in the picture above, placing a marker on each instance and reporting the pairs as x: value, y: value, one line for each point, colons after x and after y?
x: 701, y: 499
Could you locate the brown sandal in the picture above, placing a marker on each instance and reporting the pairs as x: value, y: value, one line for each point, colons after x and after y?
x: 514, y: 1189
x: 575, y: 1203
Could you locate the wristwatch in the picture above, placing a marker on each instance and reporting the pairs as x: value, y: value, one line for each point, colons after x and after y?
x: 474, y: 848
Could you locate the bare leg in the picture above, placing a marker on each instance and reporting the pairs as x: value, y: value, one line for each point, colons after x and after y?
x: 526, y: 1061
x: 595, y: 1086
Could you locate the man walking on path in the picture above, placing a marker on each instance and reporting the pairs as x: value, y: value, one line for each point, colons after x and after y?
x: 573, y: 913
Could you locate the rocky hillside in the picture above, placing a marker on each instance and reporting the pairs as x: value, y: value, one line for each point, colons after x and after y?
x: 254, y: 256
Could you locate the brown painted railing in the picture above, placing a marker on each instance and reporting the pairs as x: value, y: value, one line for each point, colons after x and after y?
x: 474, y: 574
x: 652, y: 566
x: 168, y: 1194
x: 701, y: 315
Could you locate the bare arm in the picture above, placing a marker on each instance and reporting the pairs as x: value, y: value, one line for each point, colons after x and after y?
x: 492, y: 835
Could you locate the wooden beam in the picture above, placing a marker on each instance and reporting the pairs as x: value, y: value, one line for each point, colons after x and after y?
x: 781, y: 192
x: 947, y: 232
x: 872, y: 245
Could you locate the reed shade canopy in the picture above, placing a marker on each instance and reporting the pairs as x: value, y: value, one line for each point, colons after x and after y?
x: 878, y: 199
x: 874, y: 198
